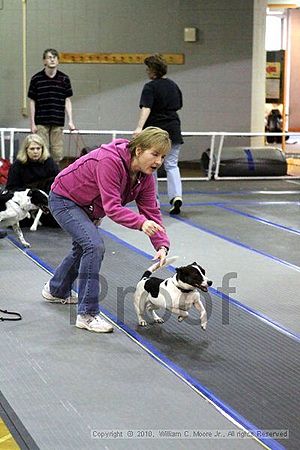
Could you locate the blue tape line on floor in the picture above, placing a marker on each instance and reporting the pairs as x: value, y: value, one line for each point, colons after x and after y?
x: 258, y: 219
x: 182, y: 374
x: 233, y: 241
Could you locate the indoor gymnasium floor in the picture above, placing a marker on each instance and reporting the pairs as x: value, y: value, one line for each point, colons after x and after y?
x: 171, y: 385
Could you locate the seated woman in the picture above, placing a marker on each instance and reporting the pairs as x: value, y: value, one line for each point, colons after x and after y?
x: 33, y: 168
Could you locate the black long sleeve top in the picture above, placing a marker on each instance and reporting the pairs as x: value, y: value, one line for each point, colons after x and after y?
x: 32, y: 174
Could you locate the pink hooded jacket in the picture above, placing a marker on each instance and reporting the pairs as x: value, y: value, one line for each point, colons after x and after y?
x: 100, y: 183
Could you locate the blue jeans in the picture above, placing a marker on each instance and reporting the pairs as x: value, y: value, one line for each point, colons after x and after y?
x: 83, y: 261
x: 174, y: 184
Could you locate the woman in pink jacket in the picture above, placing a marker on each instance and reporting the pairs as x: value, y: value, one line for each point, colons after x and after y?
x: 100, y: 184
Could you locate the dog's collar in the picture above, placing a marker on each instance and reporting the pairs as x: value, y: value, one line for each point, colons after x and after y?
x: 185, y: 291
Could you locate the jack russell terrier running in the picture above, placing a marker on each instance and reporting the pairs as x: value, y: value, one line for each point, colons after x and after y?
x: 176, y: 294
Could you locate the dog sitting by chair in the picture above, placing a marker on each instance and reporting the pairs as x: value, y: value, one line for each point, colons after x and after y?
x: 16, y: 206
x: 176, y: 294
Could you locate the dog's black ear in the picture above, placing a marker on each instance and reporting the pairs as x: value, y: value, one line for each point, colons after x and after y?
x: 5, y: 195
x: 29, y: 193
x: 178, y: 272
x: 195, y: 263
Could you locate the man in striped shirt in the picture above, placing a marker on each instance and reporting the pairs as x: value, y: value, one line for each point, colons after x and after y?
x: 50, y: 93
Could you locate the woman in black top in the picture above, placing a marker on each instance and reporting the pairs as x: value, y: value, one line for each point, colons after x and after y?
x: 160, y: 100
x: 33, y: 167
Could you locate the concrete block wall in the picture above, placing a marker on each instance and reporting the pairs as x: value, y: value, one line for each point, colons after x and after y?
x: 216, y: 78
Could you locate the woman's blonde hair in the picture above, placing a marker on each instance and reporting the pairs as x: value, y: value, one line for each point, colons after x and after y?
x: 151, y: 137
x: 22, y: 153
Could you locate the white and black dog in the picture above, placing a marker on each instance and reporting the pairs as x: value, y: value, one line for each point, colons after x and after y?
x: 15, y: 206
x: 176, y: 294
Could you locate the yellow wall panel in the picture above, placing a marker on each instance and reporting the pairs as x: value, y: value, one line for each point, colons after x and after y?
x: 115, y: 58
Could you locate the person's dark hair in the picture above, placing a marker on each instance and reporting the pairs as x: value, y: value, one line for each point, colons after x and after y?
x: 52, y: 51
x: 157, y: 65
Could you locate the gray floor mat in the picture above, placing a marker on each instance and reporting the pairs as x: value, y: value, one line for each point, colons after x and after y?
x: 239, y: 362
x: 19, y: 433
x: 261, y: 237
x: 63, y: 382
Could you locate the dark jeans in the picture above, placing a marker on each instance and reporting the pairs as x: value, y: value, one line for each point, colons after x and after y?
x: 83, y: 261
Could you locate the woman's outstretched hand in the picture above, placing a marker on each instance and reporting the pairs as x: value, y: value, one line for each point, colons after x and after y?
x: 150, y: 227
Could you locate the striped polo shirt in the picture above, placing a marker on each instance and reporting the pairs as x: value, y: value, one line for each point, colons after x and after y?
x: 50, y: 95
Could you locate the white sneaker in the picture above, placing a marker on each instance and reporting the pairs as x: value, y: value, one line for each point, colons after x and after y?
x: 73, y: 298
x: 93, y: 323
